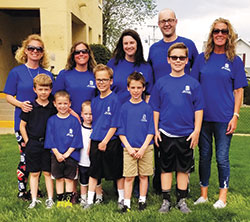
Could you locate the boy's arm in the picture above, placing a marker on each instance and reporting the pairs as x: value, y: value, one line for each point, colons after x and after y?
x: 58, y: 155
x: 68, y: 152
x: 157, y: 132
x: 143, y: 148
x: 194, y: 136
x: 23, y: 131
x: 103, y: 145
x: 129, y: 148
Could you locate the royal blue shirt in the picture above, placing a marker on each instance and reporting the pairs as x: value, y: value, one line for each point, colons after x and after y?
x: 137, y: 123
x: 158, y: 54
x: 177, y: 99
x: 64, y: 133
x: 105, y: 114
x: 80, y: 85
x: 219, y: 77
x: 20, y: 84
x: 121, y: 72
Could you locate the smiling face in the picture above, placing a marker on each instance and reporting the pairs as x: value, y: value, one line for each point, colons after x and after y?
x: 178, y: 65
x: 81, y: 58
x: 34, y: 51
x: 42, y: 92
x: 129, y: 47
x: 136, y: 89
x: 220, y: 38
x: 62, y: 104
x: 103, y: 82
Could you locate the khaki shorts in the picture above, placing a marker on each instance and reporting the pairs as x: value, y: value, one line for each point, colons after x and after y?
x: 134, y: 167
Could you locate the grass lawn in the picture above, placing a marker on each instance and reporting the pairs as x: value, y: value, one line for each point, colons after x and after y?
x: 238, y: 208
x: 244, y: 121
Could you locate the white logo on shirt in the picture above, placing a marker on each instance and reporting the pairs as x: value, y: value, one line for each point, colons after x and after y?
x: 70, y: 133
x: 187, y: 90
x: 91, y: 84
x: 108, y: 111
x: 226, y: 67
x: 144, y: 118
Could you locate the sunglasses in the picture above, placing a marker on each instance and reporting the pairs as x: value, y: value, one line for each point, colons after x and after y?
x: 33, y: 48
x: 181, y: 58
x: 83, y: 51
x: 223, y: 31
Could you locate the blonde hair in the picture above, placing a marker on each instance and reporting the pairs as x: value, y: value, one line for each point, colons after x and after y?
x: 62, y: 93
x: 21, y: 56
x: 42, y: 80
x: 86, y: 103
x: 178, y: 45
x: 101, y: 67
x: 230, y: 43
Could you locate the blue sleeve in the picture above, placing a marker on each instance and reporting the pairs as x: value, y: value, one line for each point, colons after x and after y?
x: 121, y: 128
x: 195, y: 72
x: 11, y: 83
x: 239, y: 74
x: 154, y: 100
x: 198, y: 99
x: 194, y: 54
x: 111, y: 63
x: 49, y: 138
x: 150, y: 80
x: 116, y: 115
x: 151, y: 128
x: 59, y: 83
x: 77, y: 140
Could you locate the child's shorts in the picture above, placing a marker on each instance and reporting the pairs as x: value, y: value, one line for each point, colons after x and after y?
x: 133, y: 167
x: 84, y: 176
x: 37, y: 158
x: 65, y: 169
x: 107, y: 164
x: 176, y: 154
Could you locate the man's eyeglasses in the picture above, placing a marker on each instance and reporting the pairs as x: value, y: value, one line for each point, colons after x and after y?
x: 31, y: 48
x: 169, y: 21
x: 223, y: 31
x: 181, y: 58
x: 83, y: 51
x: 102, y: 80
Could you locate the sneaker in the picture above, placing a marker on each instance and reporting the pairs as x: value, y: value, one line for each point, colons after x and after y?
x: 219, y: 204
x: 125, y: 209
x: 98, y: 201
x: 200, y: 200
x: 67, y: 204
x: 49, y: 203
x: 165, y: 207
x: 120, y: 204
x: 142, y: 206
x: 83, y: 202
x: 34, y: 203
x: 88, y: 206
x: 60, y: 204
x: 24, y: 196
x: 182, y: 206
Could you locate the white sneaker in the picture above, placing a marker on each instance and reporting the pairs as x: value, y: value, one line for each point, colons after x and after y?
x: 49, y: 203
x: 200, y: 200
x: 219, y: 204
x: 34, y: 203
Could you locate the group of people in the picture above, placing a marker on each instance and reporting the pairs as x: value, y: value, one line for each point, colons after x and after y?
x: 110, y: 121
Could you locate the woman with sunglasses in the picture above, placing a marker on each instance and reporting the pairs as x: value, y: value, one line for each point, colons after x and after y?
x: 19, y: 93
x: 222, y: 78
x: 127, y: 58
x: 77, y: 78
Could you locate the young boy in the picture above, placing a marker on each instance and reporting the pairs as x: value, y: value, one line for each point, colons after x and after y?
x: 84, y: 162
x: 106, y: 158
x: 136, y: 133
x: 178, y: 109
x: 63, y: 137
x: 33, y: 128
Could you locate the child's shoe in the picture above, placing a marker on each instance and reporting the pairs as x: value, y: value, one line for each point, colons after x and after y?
x: 98, y: 200
x: 165, y: 207
x: 125, y: 209
x: 34, y: 203
x: 142, y: 206
x: 60, y: 203
x: 49, y: 203
x: 182, y: 206
x: 120, y: 204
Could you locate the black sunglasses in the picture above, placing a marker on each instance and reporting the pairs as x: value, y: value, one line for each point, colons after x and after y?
x: 33, y: 48
x: 181, y: 58
x: 83, y: 51
x: 223, y: 31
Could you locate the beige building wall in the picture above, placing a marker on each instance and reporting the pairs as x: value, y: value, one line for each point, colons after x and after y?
x: 60, y: 23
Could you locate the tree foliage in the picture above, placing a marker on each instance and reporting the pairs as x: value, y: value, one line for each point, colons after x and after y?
x: 102, y: 53
x: 121, y: 14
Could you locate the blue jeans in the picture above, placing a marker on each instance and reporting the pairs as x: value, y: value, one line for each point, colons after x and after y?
x: 222, y: 144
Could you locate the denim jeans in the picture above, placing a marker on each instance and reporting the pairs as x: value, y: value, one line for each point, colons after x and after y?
x: 222, y: 144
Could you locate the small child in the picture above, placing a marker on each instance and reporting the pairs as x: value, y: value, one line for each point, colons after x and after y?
x: 178, y: 109
x: 33, y: 128
x: 106, y: 158
x: 63, y: 137
x: 136, y: 133
x: 84, y: 162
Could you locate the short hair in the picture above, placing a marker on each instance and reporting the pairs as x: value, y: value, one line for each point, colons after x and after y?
x: 62, y: 93
x: 86, y: 103
x: 137, y: 76
x: 178, y: 45
x: 42, y: 80
x: 101, y: 67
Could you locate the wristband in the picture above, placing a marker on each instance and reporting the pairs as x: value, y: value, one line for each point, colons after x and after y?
x: 237, y: 114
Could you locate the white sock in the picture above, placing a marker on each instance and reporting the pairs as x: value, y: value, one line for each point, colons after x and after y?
x: 120, y: 195
x: 50, y: 198
x: 127, y: 202
x: 91, y: 197
x: 99, y: 196
x: 34, y: 199
x: 142, y: 199
x: 84, y: 196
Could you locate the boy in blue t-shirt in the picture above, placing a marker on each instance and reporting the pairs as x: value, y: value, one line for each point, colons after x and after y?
x: 106, y: 156
x: 136, y: 133
x: 63, y: 137
x: 178, y: 109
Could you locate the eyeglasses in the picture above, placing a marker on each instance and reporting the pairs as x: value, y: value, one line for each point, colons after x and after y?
x: 164, y: 21
x: 223, y: 31
x: 31, y: 48
x: 83, y: 51
x: 181, y: 58
x: 102, y: 80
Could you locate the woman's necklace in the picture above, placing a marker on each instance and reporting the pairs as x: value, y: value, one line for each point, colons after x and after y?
x: 31, y: 73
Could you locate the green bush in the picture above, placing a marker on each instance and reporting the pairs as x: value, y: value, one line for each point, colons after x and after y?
x: 247, y: 95
x: 102, y: 53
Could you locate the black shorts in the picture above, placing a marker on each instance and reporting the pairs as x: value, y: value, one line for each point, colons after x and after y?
x: 108, y: 164
x: 84, y: 176
x: 176, y: 155
x: 37, y: 158
x: 65, y: 169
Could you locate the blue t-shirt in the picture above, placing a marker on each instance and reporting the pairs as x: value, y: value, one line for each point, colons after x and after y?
x: 158, y: 54
x: 136, y: 123
x: 177, y: 99
x: 20, y: 84
x: 218, y: 78
x: 121, y: 72
x: 64, y: 133
x: 80, y: 85
x: 105, y: 114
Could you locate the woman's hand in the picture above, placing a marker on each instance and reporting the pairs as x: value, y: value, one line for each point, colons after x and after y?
x: 26, y: 106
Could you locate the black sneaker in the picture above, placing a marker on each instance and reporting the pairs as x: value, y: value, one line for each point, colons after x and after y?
x: 24, y: 196
x: 142, y: 206
x: 125, y: 209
